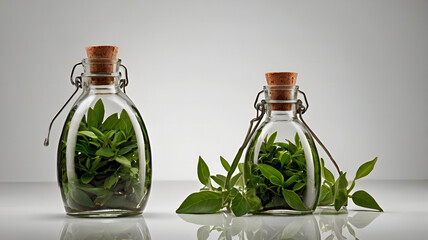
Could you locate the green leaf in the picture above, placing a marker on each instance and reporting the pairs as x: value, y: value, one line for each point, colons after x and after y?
x: 327, y: 175
x: 293, y: 200
x: 220, y: 181
x: 275, y: 181
x: 365, y: 169
x: 326, y: 197
x: 203, y: 172
x: 123, y: 160
x: 81, y: 198
x: 271, y: 139
x: 127, y: 121
x: 201, y: 202
x: 97, y: 132
x: 291, y: 180
x: 363, y: 199
x: 92, y: 118
x: 269, y: 171
x: 99, y: 110
x: 340, y: 191
x: 235, y: 179
x: 87, y: 134
x: 105, y: 152
x: 240, y: 205
x: 253, y: 200
x: 87, y: 178
x: 127, y: 149
x: 225, y: 164
x: 299, y: 186
x: 110, y: 122
x: 110, y: 181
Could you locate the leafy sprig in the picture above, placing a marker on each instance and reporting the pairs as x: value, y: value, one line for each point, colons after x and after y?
x: 106, y: 161
x: 279, y: 179
x: 336, y: 192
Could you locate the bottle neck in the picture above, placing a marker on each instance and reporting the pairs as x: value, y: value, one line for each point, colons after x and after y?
x: 92, y: 88
x: 281, y: 115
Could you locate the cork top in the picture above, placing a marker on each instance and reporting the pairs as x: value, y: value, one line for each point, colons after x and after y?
x: 281, y: 78
x: 103, y: 53
x: 277, y: 79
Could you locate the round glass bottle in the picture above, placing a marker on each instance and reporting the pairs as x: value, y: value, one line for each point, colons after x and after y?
x: 104, y: 156
x: 281, y: 167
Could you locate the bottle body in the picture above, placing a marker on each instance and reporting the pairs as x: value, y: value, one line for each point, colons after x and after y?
x: 281, y: 163
x: 104, y: 156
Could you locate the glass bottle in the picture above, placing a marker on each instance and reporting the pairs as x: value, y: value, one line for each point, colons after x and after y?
x: 104, y: 156
x: 281, y: 162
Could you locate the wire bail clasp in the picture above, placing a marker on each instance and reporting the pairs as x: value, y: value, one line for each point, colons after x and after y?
x: 77, y: 82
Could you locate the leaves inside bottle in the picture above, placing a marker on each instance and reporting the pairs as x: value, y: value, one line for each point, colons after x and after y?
x: 106, y: 171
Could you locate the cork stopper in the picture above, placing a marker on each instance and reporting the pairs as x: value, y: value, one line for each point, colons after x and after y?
x: 100, y: 56
x: 281, y: 79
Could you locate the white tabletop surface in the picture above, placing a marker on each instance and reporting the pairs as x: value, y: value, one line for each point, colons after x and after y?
x: 35, y: 211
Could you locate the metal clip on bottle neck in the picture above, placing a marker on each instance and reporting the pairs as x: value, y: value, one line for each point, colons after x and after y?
x: 77, y: 82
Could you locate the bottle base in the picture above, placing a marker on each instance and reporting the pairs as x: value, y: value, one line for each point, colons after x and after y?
x: 105, y: 213
x: 282, y: 212
x: 330, y: 210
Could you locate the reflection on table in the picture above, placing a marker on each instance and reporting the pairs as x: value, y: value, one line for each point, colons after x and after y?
x: 114, y: 229
x: 321, y: 225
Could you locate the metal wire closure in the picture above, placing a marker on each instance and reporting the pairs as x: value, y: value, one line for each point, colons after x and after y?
x: 301, y: 109
x: 78, y: 83
x: 124, y: 82
x: 260, y: 112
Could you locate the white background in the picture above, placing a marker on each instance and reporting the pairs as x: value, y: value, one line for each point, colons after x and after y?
x: 196, y: 66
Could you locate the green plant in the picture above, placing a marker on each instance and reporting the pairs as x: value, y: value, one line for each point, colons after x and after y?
x: 336, y: 192
x: 106, y: 163
x: 277, y: 180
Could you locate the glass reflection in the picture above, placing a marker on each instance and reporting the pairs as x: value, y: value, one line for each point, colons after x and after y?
x: 111, y: 229
x: 327, y: 227
x: 226, y: 226
x: 340, y: 226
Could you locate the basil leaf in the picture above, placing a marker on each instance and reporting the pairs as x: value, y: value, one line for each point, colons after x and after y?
x: 291, y: 180
x: 326, y: 197
x: 271, y: 139
x: 293, y: 200
x: 365, y: 169
x: 225, y: 164
x: 105, y: 152
x: 127, y: 149
x: 298, y: 186
x: 218, y: 180
x: 123, y: 160
x: 87, y: 178
x: 110, y: 122
x: 235, y: 179
x: 97, y: 132
x: 340, y: 193
x: 110, y: 181
x: 203, y: 172
x: 127, y: 121
x: 201, y: 202
x: 87, y: 134
x: 363, y: 199
x: 99, y: 110
x: 92, y: 118
x: 327, y: 175
x: 253, y: 200
x: 240, y: 205
x: 81, y: 198
x: 269, y: 171
x: 275, y: 181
